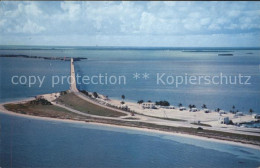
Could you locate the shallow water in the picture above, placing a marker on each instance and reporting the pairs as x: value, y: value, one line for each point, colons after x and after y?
x: 127, y: 61
x: 37, y: 143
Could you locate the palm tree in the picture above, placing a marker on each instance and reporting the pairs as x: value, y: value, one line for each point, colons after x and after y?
x: 204, y: 106
x: 123, y: 97
x: 251, y: 111
x: 233, y: 109
x: 180, y: 105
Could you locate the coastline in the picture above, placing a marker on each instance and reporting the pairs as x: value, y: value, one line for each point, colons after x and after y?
x: 4, y: 111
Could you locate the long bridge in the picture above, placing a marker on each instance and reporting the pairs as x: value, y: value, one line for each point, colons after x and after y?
x: 73, y: 83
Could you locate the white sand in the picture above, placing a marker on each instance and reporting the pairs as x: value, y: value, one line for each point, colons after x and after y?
x: 4, y: 111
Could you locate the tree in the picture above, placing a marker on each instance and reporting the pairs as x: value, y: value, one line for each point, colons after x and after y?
x: 217, y: 110
x: 180, y: 105
x: 123, y: 97
x: 149, y: 101
x: 233, y: 109
x: 95, y: 94
x: 251, y: 111
x: 163, y: 103
x: 204, y: 106
x: 140, y: 101
x: 190, y: 106
x: 122, y: 102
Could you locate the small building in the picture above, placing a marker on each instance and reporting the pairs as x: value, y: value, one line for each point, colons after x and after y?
x: 222, y: 112
x: 168, y: 107
x: 194, y: 109
x: 124, y: 106
x: 182, y: 108
x: 239, y: 114
x: 256, y: 116
x: 148, y: 105
x: 223, y: 120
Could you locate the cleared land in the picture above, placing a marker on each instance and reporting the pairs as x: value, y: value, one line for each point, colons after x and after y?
x: 43, y: 111
x: 73, y: 101
x: 56, y: 112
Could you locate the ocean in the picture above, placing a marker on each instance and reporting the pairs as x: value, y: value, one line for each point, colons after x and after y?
x: 125, y: 61
x: 38, y: 143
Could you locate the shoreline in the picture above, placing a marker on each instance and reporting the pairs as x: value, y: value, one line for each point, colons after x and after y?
x: 10, y: 113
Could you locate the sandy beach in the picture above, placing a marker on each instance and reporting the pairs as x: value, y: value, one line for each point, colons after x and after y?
x: 4, y: 111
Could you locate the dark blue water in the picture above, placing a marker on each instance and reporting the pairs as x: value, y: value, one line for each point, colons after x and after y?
x: 38, y: 143
x: 127, y: 61
x: 30, y: 67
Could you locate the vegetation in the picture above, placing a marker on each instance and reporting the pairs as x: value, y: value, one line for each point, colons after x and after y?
x: 218, y: 109
x: 233, y: 109
x: 43, y: 111
x: 180, y: 104
x: 122, y: 102
x: 192, y: 106
x: 251, y: 111
x: 149, y: 101
x: 140, y: 101
x: 84, y: 92
x: 162, y: 103
x: 84, y: 106
x: 72, y: 100
x: 230, y: 122
x: 123, y: 97
x: 41, y: 101
x: 204, y: 106
x: 63, y: 92
x: 95, y: 94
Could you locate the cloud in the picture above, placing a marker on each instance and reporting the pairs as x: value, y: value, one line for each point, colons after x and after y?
x: 28, y: 27
x: 71, y: 9
x: 136, y: 19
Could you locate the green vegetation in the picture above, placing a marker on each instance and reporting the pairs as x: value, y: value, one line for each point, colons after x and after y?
x: 84, y: 106
x: 43, y: 111
x: 140, y: 101
x: 84, y: 92
x: 204, y: 106
x: 192, y: 106
x: 123, y: 97
x: 95, y: 94
x: 40, y: 101
x: 162, y: 103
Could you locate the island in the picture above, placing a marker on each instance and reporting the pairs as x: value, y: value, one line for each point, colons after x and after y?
x: 46, y: 58
x: 92, y: 107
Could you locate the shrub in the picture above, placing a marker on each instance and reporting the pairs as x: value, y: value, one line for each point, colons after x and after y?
x: 162, y: 103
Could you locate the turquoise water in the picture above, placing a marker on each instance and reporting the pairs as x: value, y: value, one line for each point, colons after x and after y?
x: 127, y: 61
x: 38, y: 143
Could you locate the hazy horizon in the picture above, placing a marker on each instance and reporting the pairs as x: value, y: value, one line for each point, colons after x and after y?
x: 133, y: 24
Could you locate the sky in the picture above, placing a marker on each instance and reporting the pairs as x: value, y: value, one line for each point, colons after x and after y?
x: 155, y: 24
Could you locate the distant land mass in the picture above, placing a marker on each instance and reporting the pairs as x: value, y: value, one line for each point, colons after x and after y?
x: 47, y: 58
x: 225, y: 54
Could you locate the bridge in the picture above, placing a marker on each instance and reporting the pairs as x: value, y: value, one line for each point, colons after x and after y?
x: 73, y: 82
